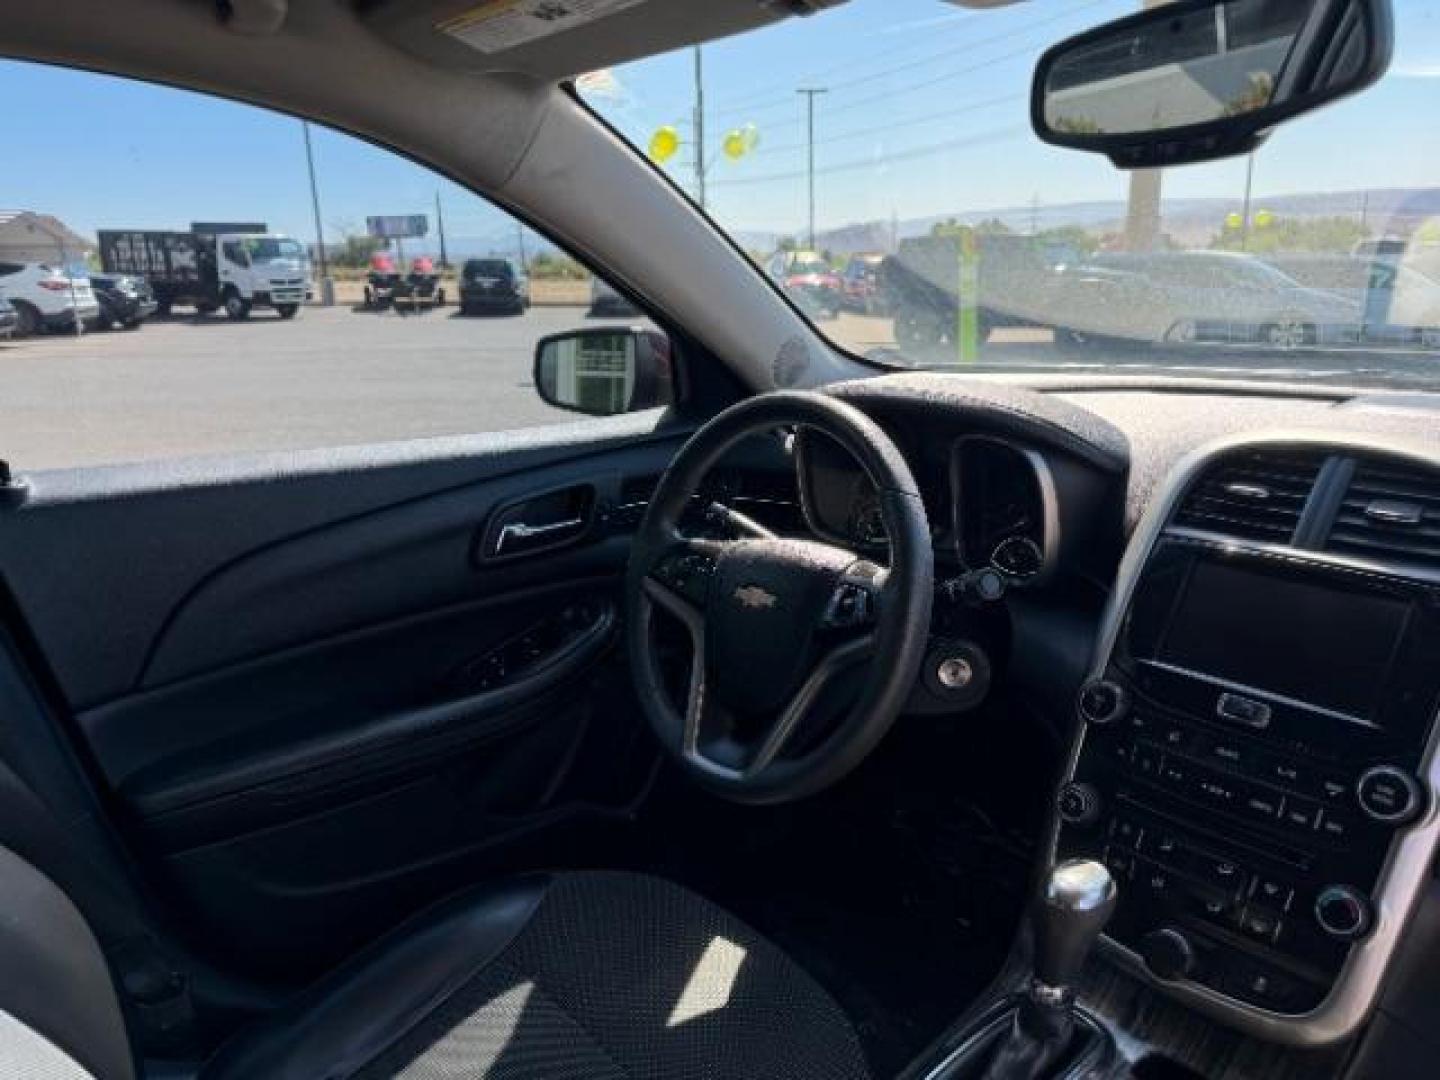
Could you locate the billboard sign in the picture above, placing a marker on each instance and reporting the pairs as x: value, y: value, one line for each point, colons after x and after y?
x: 397, y: 226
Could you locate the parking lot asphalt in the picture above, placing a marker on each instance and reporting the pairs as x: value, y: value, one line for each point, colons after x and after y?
x: 193, y: 386
x: 331, y: 377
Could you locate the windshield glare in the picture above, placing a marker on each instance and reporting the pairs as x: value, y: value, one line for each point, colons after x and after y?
x: 898, y: 130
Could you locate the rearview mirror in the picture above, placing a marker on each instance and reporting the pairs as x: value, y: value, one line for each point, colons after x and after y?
x: 605, y: 371
x: 1203, y: 79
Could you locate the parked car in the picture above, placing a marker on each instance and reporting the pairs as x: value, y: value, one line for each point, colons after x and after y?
x: 860, y: 285
x: 1398, y: 304
x: 1195, y: 297
x: 126, y: 299
x: 606, y: 301
x: 8, y: 318
x: 46, y: 298
x: 809, y: 280
x: 493, y: 285
x: 919, y: 284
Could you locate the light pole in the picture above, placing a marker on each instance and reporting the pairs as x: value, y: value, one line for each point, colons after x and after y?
x: 810, y: 92
x: 440, y: 224
x: 699, y: 126
x: 327, y: 287
x: 1245, y: 207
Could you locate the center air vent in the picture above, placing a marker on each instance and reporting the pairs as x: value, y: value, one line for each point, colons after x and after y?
x: 1255, y: 494
x: 1391, y: 512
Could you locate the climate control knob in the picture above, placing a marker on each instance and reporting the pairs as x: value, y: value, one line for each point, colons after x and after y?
x: 1388, y: 794
x: 1078, y: 803
x: 1344, y: 912
x: 1102, y: 701
x: 1167, y: 953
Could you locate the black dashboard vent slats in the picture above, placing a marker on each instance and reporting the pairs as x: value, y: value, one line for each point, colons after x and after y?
x: 1391, y: 513
x: 1254, y: 494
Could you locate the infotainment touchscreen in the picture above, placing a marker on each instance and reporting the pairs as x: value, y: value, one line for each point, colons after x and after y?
x: 1312, y: 642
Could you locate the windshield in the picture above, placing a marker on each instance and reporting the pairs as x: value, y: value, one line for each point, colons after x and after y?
x: 900, y: 128
x: 269, y: 249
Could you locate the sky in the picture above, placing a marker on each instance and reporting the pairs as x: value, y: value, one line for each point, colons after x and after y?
x: 925, y: 113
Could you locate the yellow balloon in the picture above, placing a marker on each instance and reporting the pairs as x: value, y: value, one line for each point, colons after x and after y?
x: 1233, y: 221
x: 664, y: 143
x: 1264, y: 219
x: 734, y: 145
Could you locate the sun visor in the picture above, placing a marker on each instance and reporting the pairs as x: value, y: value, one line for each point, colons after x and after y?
x: 551, y: 40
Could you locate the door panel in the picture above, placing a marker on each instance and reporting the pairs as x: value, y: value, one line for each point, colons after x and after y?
x: 314, y: 704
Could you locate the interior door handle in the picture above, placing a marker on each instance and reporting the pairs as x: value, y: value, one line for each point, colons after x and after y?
x: 519, y: 530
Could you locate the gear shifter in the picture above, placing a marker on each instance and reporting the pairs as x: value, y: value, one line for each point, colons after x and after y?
x: 1069, y: 915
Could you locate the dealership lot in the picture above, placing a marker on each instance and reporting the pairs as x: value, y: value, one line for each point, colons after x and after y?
x: 337, y: 376
x: 332, y: 377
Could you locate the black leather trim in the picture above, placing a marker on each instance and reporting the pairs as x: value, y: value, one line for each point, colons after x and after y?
x: 53, y: 977
x: 351, y: 1017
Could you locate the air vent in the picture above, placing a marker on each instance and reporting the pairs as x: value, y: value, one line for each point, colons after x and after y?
x: 1253, y: 494
x: 1391, y: 512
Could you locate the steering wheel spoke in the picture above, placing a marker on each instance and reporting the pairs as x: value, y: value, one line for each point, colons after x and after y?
x: 679, y: 579
x: 831, y: 666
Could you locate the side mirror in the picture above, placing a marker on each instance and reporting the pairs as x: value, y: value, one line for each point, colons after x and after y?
x: 1201, y: 79
x: 605, y: 371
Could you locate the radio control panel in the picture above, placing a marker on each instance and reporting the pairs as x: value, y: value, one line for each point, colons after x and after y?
x: 1249, y: 829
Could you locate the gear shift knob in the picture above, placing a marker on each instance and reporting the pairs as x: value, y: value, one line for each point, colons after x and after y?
x: 1077, y: 902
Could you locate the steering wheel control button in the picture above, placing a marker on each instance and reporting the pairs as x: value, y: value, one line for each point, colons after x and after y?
x: 1103, y: 702
x: 1388, y: 794
x: 1242, y: 710
x: 1168, y: 954
x: 851, y: 605
x: 1078, y: 804
x: 1344, y: 912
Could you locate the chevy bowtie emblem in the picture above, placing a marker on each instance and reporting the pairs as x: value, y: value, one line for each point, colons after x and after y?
x: 754, y: 597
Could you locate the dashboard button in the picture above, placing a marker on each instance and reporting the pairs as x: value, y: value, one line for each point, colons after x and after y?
x: 1218, y: 790
x: 1287, y: 772
x: 1300, y: 814
x: 1336, y: 826
x: 1343, y: 912
x: 1102, y: 702
x: 1388, y: 794
x: 1260, y: 923
x: 1242, y: 710
x: 1262, y: 985
x: 1079, y: 804
x: 1275, y: 894
x: 1164, y: 847
x: 1209, y: 901
x: 1221, y: 871
x: 1263, y: 803
x: 1333, y: 790
x: 1227, y: 752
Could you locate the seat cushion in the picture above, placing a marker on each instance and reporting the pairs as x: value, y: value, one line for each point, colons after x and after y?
x: 563, y: 977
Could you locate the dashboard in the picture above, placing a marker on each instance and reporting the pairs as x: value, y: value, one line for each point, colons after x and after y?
x: 1253, y: 739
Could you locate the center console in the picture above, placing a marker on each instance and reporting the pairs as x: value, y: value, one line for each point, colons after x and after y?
x: 1255, y: 760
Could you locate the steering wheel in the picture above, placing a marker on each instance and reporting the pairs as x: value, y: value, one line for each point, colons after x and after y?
x: 775, y: 622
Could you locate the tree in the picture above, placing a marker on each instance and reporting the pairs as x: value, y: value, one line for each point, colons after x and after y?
x: 355, y: 247
x: 1329, y: 234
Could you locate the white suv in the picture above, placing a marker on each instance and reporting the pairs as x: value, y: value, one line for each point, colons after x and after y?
x: 45, y: 298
